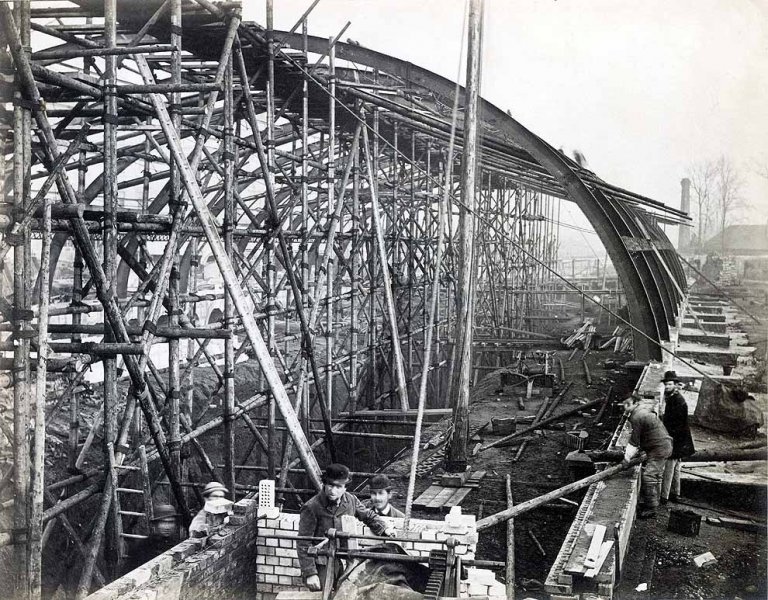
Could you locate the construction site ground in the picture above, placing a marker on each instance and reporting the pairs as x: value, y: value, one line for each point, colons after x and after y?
x: 541, y: 468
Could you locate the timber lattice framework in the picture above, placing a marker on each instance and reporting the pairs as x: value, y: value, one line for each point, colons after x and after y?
x: 183, y: 189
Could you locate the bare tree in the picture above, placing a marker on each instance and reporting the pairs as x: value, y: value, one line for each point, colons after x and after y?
x: 728, y: 192
x: 702, y: 176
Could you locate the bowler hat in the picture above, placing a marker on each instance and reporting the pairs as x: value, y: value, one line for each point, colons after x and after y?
x: 163, y: 512
x: 670, y: 376
x: 336, y: 472
x: 380, y: 482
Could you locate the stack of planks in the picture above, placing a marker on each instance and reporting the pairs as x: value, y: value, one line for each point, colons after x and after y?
x: 581, y: 335
x: 599, y: 548
x: 621, y: 340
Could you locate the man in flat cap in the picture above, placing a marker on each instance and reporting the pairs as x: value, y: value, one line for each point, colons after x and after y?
x: 649, y: 436
x: 381, y: 494
x: 675, y: 419
x: 323, y: 512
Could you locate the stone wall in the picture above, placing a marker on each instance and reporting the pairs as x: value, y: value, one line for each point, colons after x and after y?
x: 254, y: 557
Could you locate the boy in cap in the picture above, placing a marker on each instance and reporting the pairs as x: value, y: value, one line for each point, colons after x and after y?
x: 381, y: 494
x: 649, y: 436
x: 675, y: 419
x: 215, y: 503
x: 324, y: 511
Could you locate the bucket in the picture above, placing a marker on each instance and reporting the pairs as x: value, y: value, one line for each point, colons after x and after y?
x: 684, y: 522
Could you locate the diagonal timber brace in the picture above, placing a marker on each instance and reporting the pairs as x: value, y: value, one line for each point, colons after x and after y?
x: 230, y: 279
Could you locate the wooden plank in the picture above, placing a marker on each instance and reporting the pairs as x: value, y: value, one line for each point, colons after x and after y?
x: 457, y: 497
x: 441, y: 497
x: 594, y: 547
x: 605, y: 550
x: 427, y: 496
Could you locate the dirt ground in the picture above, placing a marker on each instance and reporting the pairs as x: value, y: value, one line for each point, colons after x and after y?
x: 542, y: 466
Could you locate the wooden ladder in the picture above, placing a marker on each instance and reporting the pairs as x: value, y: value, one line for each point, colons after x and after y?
x: 146, y: 515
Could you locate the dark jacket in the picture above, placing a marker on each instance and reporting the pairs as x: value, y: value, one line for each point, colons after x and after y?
x: 648, y: 433
x: 319, y: 515
x: 676, y: 421
x: 393, y: 512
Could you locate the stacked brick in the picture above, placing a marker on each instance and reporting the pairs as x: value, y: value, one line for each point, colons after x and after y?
x: 220, y: 565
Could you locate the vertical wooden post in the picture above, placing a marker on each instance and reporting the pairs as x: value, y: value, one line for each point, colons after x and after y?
x: 331, y: 189
x: 174, y: 204
x: 456, y: 454
x: 109, y: 241
x: 37, y: 480
x: 510, y: 569
x: 22, y: 131
x: 268, y: 171
x: 229, y: 347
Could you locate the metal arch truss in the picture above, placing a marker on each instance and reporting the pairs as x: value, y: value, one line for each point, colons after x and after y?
x: 207, y: 191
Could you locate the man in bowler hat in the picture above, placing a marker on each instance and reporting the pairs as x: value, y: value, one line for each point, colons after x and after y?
x: 675, y: 419
x: 381, y: 495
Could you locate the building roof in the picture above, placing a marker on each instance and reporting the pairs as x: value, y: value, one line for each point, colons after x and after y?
x: 739, y: 239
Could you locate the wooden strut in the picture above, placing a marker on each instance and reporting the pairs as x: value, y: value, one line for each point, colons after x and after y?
x: 231, y: 282
x: 528, y: 505
x: 287, y: 260
x: 402, y: 386
x: 540, y: 424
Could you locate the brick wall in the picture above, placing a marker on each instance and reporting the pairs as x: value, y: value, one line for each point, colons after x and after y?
x: 220, y: 565
x: 277, y: 567
x: 253, y: 557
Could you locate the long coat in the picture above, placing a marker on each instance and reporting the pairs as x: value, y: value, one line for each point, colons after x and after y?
x: 676, y: 421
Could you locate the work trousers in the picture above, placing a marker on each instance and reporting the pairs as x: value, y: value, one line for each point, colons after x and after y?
x: 670, y: 485
x: 650, y: 482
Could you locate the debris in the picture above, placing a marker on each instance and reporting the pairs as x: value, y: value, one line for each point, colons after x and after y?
x: 643, y: 587
x: 704, y: 559
x: 740, y: 524
x: 537, y: 543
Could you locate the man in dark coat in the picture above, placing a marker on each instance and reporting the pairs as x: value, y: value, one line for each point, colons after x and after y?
x: 649, y: 436
x: 381, y: 494
x: 323, y: 512
x: 675, y: 419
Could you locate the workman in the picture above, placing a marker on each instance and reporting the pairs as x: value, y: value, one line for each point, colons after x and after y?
x: 381, y: 495
x: 216, y: 503
x: 323, y: 512
x: 163, y: 535
x: 650, y: 436
x: 675, y: 419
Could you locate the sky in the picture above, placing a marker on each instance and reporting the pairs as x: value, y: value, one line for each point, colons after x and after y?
x: 642, y: 89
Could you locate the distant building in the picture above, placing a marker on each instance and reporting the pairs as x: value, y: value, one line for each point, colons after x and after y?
x: 739, y: 254
x: 738, y: 240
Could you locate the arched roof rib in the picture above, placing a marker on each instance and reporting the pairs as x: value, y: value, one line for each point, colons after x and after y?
x: 612, y: 211
x: 638, y: 248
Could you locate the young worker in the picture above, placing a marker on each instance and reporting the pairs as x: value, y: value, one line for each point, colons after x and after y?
x: 323, y: 512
